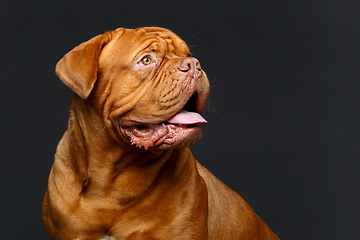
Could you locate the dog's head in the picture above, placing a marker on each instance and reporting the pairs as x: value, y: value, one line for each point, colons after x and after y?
x: 143, y: 83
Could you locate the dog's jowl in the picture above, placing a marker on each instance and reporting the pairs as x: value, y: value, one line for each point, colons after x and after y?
x: 123, y: 169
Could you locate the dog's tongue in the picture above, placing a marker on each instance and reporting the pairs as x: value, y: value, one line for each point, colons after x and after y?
x: 185, y: 117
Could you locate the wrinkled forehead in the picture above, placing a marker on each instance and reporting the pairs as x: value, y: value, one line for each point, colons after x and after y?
x: 129, y: 42
x: 174, y: 42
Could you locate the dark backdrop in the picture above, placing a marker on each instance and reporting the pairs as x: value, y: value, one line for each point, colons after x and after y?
x: 283, y: 117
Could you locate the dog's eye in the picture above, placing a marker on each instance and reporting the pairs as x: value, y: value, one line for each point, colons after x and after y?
x: 146, y: 60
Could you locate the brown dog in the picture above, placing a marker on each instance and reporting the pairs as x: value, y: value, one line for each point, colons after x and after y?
x: 123, y: 169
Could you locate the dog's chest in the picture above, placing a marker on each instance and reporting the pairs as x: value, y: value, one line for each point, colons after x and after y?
x: 108, y: 238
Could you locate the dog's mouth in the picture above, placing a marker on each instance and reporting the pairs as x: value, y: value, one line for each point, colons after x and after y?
x: 179, y: 130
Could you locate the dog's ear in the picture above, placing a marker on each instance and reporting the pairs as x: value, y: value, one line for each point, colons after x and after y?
x: 78, y: 68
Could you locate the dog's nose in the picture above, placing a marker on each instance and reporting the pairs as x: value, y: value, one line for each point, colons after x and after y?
x: 191, y: 66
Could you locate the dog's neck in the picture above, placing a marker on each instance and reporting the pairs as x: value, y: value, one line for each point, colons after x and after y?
x: 103, y: 167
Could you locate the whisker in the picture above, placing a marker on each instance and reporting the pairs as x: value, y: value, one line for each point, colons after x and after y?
x: 192, y: 46
x: 212, y: 82
x: 192, y: 36
x: 105, y: 127
x: 210, y: 106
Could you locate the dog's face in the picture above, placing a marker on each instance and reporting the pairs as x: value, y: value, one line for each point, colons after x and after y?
x: 145, y: 84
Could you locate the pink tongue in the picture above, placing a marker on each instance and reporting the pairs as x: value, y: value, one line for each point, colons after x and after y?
x: 185, y: 117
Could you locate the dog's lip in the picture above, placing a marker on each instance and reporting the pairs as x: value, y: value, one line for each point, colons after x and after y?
x: 148, y: 134
x: 160, y: 136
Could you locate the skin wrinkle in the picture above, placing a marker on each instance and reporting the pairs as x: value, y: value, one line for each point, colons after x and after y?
x: 126, y: 104
x: 75, y: 118
x: 174, y: 94
x: 162, y: 99
x: 156, y: 82
x: 150, y: 47
x: 106, y: 95
x: 174, y: 87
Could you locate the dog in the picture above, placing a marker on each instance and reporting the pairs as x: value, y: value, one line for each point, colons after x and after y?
x: 123, y: 169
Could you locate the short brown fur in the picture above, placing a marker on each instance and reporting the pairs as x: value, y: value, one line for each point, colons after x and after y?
x: 102, y: 185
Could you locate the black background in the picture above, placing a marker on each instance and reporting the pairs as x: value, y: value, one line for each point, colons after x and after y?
x: 283, y: 116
